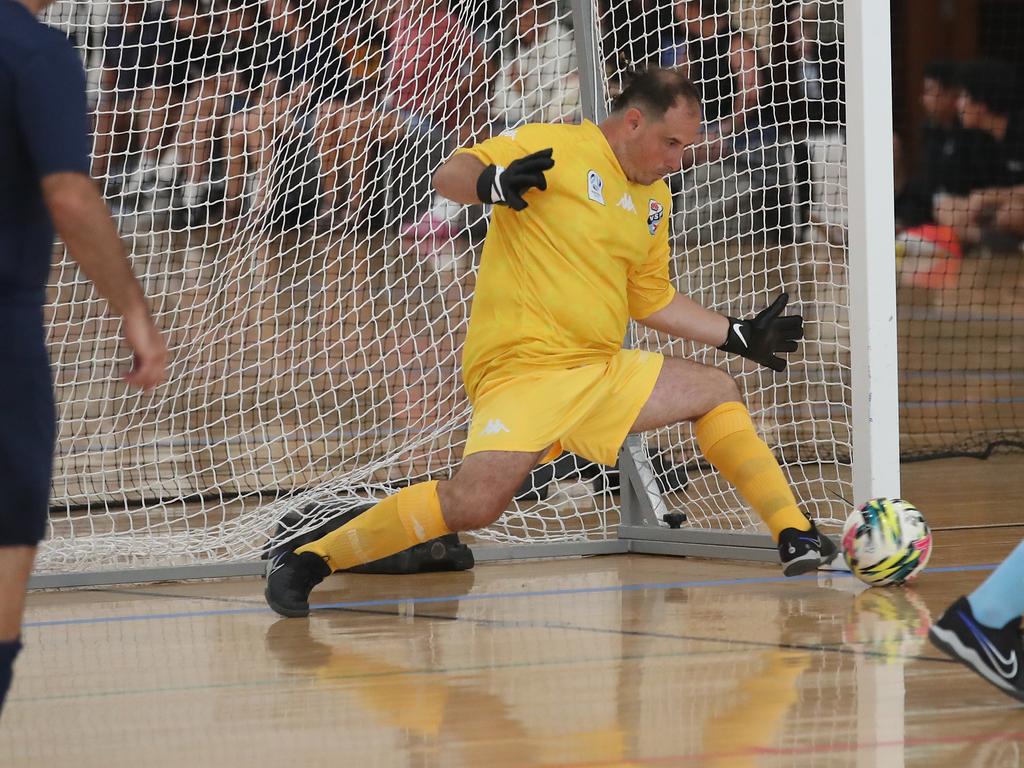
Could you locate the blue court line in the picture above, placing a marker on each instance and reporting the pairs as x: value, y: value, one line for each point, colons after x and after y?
x: 977, y: 373
x: 483, y: 596
x: 911, y: 404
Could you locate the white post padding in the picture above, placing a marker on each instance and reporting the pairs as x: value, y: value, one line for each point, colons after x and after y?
x: 872, y: 265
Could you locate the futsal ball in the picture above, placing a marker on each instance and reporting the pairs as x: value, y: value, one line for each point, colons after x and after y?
x: 886, y: 541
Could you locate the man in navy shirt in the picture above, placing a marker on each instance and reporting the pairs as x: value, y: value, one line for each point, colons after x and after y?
x: 44, y: 184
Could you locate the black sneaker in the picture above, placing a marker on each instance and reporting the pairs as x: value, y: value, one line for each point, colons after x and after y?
x: 290, y: 579
x: 805, y: 551
x: 995, y: 654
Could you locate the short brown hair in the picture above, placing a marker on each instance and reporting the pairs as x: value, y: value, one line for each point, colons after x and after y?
x: 656, y: 91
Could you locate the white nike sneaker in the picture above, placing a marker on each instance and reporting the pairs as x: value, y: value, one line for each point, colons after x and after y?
x: 995, y: 654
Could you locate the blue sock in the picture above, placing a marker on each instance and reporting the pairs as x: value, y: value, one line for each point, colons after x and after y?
x: 1000, y: 598
x: 8, y: 650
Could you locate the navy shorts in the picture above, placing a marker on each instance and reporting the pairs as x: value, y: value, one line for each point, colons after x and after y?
x: 28, y: 429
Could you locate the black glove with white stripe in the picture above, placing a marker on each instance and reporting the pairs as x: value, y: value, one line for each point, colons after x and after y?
x: 505, y: 186
x: 759, y: 339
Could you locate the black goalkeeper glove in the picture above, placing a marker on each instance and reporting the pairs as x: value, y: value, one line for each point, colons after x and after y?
x: 505, y: 186
x: 759, y: 339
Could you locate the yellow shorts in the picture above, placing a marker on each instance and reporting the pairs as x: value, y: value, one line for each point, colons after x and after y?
x: 586, y: 410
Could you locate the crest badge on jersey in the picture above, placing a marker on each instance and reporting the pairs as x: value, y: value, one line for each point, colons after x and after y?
x: 655, y: 213
x: 595, y: 187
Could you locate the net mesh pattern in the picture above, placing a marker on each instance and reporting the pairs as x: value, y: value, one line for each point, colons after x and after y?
x: 268, y: 165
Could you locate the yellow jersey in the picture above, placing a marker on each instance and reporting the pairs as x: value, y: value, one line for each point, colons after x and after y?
x: 559, y: 281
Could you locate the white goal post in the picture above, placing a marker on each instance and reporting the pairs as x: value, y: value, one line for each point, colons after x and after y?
x: 270, y: 177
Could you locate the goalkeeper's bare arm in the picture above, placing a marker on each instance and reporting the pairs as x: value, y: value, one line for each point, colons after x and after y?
x: 456, y: 179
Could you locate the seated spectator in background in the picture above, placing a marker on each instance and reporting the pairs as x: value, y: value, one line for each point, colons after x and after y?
x: 992, y: 214
x: 358, y: 132
x: 631, y: 35
x: 740, y: 194
x: 816, y: 68
x: 319, y: 117
x: 437, y: 76
x: 127, y: 67
x: 537, y: 81
x: 438, y: 81
x: 723, y: 64
x: 232, y: 84
x: 813, y: 95
x: 174, y: 63
x: 945, y: 149
x: 253, y: 130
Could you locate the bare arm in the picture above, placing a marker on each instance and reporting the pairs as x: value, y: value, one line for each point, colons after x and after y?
x: 992, y: 197
x: 83, y: 221
x: 743, y: 60
x: 686, y: 319
x: 456, y: 179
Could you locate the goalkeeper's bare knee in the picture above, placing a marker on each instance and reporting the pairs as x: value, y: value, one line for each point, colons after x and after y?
x: 483, y: 488
x: 469, y: 506
x: 722, y: 389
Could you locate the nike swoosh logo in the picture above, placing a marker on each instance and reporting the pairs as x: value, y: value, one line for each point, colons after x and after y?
x: 738, y: 330
x: 1007, y: 667
x: 1004, y: 665
x: 277, y: 567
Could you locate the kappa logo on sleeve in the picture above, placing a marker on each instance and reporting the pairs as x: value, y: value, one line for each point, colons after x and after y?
x: 655, y: 213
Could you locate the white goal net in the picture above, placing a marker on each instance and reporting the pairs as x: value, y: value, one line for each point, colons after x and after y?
x: 268, y: 163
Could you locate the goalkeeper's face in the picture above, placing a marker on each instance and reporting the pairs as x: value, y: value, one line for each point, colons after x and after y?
x: 658, y: 143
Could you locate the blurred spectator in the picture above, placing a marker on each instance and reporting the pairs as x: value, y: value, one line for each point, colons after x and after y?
x: 992, y: 214
x: 233, y: 83
x: 357, y: 132
x: 252, y: 132
x: 537, y: 81
x: 946, y: 150
x: 816, y: 70
x: 721, y: 61
x: 304, y: 147
x: 813, y: 95
x: 438, y: 80
x: 175, y: 62
x: 733, y: 178
x: 630, y: 34
x: 129, y: 58
x: 437, y: 76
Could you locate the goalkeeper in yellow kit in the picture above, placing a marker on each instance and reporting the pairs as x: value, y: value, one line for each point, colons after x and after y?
x: 578, y: 244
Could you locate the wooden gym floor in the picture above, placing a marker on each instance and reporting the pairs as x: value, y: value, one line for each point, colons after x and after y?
x: 606, y: 661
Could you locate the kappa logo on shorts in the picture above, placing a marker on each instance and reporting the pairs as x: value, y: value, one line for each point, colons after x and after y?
x: 595, y: 187
x: 495, y: 427
x: 655, y: 213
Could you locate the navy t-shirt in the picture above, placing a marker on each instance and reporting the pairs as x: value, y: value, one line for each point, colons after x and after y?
x: 44, y: 129
x: 1010, y: 154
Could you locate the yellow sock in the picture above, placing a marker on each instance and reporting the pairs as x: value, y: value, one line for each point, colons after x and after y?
x: 409, y: 517
x: 726, y: 436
